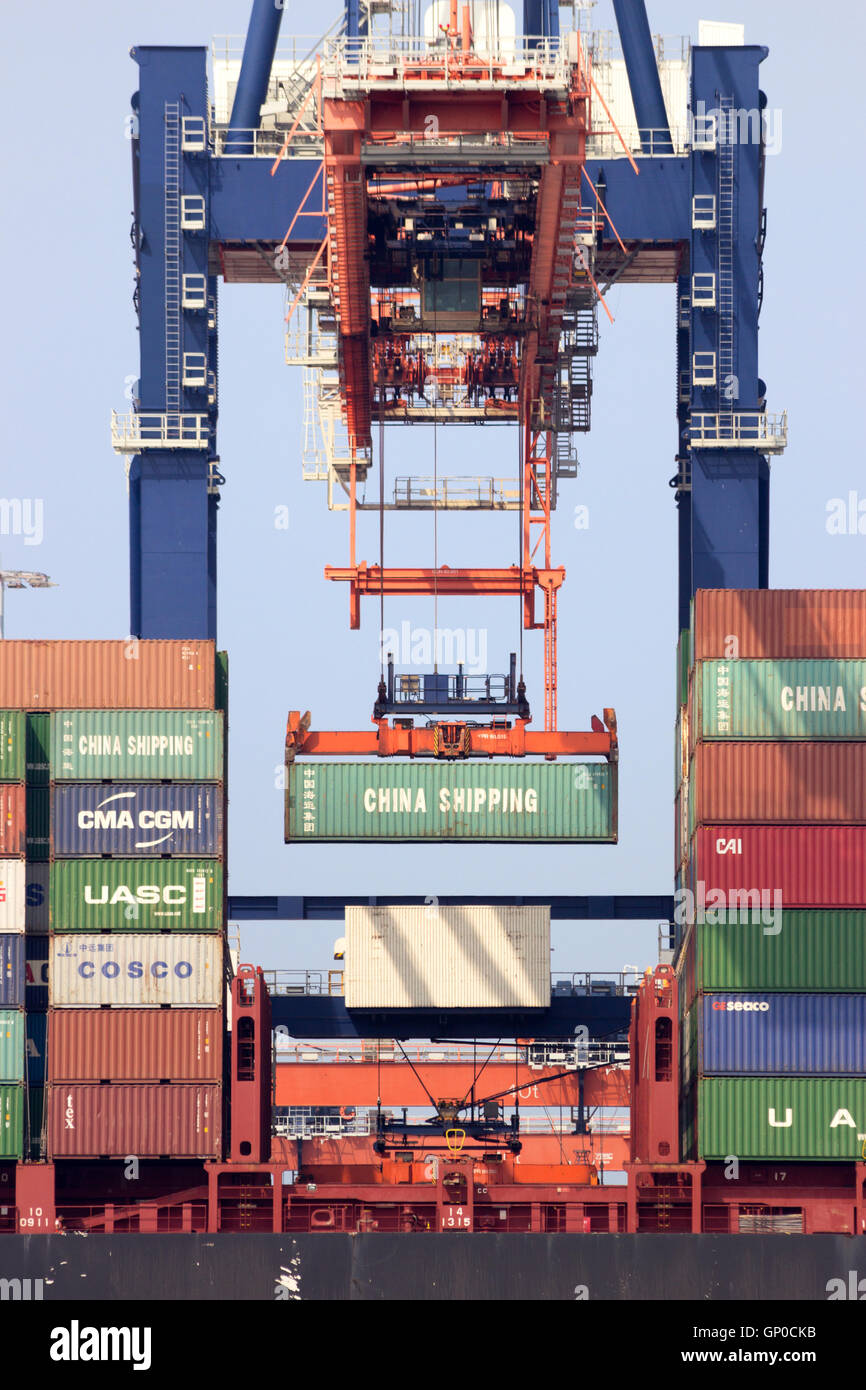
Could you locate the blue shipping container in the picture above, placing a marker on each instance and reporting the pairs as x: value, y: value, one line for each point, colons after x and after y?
x: 34, y: 1058
x: 36, y: 973
x: 137, y: 820
x: 12, y: 969
x: 782, y: 1035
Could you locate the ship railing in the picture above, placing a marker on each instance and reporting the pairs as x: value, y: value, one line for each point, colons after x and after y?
x: 158, y: 430
x: 390, y: 60
x: 389, y: 1052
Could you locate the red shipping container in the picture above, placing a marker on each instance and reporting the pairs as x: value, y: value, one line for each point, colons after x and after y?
x: 770, y: 782
x: 811, y: 865
x: 135, y: 1045
x: 808, y: 623
x: 181, y: 1121
x: 13, y: 820
x: 129, y: 674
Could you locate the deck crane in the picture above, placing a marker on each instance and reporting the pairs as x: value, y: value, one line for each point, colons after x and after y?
x: 456, y: 281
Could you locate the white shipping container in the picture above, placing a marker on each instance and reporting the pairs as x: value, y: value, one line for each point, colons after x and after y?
x: 115, y: 968
x: 12, y: 894
x: 438, y: 957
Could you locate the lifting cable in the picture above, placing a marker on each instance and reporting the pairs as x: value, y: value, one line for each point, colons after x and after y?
x: 521, y: 464
x: 435, y: 490
x: 381, y: 535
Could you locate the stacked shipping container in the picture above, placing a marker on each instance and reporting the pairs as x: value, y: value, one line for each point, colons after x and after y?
x: 771, y: 852
x: 12, y: 894
x: 125, y: 1021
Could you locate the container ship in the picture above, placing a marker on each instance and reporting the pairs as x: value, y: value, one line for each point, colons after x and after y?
x: 445, y: 198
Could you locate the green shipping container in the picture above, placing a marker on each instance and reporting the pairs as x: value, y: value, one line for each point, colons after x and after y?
x: 38, y: 749
x: 136, y: 895
x: 221, y: 682
x: 137, y: 745
x: 12, y: 745
x: 808, y: 951
x: 781, y: 699
x: 11, y: 1121
x: 38, y: 824
x: 11, y: 1045
x: 780, y: 1117
x: 431, y: 800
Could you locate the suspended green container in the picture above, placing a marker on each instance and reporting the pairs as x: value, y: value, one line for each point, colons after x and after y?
x: 448, y: 801
x: 780, y: 1118
x: 11, y: 1121
x: 781, y: 699
x: 12, y: 745
x: 38, y: 749
x: 136, y: 895
x: 808, y: 951
x: 11, y: 1045
x: 38, y: 824
x: 137, y: 745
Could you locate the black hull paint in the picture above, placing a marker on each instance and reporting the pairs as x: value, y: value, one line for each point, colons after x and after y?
x: 339, y: 1267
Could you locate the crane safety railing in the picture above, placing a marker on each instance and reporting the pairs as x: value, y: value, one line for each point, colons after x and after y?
x: 743, y: 429
x: 132, y: 432
x: 604, y: 142
x: 457, y: 493
x: 622, y: 982
x: 529, y: 146
x: 402, y: 61
x: 537, y: 1056
x: 267, y: 144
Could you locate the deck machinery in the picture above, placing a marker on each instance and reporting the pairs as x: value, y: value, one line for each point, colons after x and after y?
x: 447, y: 202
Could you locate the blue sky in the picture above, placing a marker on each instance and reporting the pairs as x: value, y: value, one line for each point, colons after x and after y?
x: 70, y: 342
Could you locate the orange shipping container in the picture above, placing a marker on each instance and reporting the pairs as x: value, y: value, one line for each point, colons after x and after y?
x: 129, y: 674
x: 182, y: 1121
x: 13, y: 820
x: 800, y: 783
x: 766, y: 623
x: 135, y: 1045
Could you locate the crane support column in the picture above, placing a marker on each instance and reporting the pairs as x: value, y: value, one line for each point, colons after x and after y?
x: 643, y: 76
x: 730, y: 434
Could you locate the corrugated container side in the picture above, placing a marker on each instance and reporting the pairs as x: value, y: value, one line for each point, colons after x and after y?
x: 810, y: 951
x: 779, y: 700
x: 777, y: 783
x: 413, y: 800
x: 38, y: 749
x: 792, y: 623
x: 11, y: 1121
x: 683, y: 664
x: 783, y: 1117
x: 12, y: 746
x: 121, y: 968
x: 178, y: 1121
x: 11, y: 1045
x: 11, y: 970
x: 145, y: 820
x: 765, y: 1034
x: 13, y: 892
x: 808, y: 865
x: 38, y: 825
x: 136, y: 895
x: 137, y: 745
x: 13, y: 821
x: 135, y: 1045
x: 447, y: 957
x: 130, y: 674
x: 33, y: 1138
x: 36, y: 899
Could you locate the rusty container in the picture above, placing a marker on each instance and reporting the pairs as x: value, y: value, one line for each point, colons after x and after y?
x: 795, y: 783
x: 135, y: 1045
x: 175, y: 1121
x: 792, y: 623
x: 13, y: 820
x: 130, y: 674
